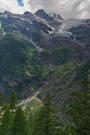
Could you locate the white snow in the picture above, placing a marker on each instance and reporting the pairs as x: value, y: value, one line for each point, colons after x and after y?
x: 51, y: 32
x: 4, y: 33
x: 63, y: 29
x: 39, y: 49
x: 0, y: 25
x: 45, y: 23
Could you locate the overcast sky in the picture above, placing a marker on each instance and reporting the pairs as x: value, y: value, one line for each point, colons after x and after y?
x: 66, y: 8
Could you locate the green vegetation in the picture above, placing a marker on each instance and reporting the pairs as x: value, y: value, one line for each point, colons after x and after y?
x: 45, y: 118
x: 51, y: 78
x: 13, y: 101
x: 24, y: 69
x: 44, y: 78
x: 80, y: 111
x: 14, y: 55
x: 6, y: 122
x: 19, y: 125
x: 20, y: 65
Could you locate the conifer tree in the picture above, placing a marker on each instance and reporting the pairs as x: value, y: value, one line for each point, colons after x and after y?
x: 44, y: 124
x: 20, y: 125
x: 68, y: 129
x: 1, y: 99
x: 6, y: 122
x: 1, y: 103
x: 13, y: 101
x: 80, y: 108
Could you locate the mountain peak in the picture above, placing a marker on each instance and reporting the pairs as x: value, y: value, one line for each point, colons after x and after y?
x: 40, y: 11
x: 42, y: 14
x: 28, y: 14
x: 7, y: 12
x: 57, y: 16
x: 48, y: 17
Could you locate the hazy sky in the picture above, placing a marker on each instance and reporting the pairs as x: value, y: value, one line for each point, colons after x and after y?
x: 67, y: 8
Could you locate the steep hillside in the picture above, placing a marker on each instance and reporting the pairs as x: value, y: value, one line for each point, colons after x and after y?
x: 64, y: 82
x: 20, y: 67
x: 40, y: 49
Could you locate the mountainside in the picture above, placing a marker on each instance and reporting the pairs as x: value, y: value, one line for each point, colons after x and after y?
x: 65, y: 82
x: 18, y: 63
x: 42, y: 52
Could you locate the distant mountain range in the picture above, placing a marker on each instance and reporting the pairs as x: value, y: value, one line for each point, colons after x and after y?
x: 43, y: 52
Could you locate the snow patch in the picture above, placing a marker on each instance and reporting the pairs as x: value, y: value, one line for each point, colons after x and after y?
x: 0, y: 25
x: 66, y: 25
x: 39, y: 49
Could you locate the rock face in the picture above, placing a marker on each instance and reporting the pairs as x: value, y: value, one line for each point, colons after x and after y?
x: 41, y: 13
x: 82, y: 33
x: 36, y: 48
x: 42, y: 25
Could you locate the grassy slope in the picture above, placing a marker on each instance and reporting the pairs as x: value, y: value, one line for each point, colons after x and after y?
x: 20, y: 68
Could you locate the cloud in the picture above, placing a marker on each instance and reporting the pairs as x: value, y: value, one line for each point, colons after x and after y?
x: 66, y: 8
x: 15, y: 6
